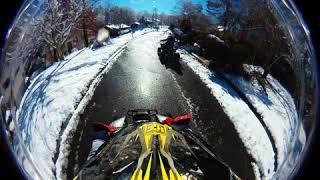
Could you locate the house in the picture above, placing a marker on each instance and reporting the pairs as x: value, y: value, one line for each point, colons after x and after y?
x: 145, y: 22
x: 116, y: 30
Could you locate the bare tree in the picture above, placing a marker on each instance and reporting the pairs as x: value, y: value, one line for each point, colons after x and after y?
x: 30, y: 44
x: 86, y: 17
x: 57, y: 21
x: 188, y: 9
x: 107, y: 5
x: 162, y: 18
x: 191, y: 16
x: 122, y: 15
x: 269, y: 35
x: 226, y: 13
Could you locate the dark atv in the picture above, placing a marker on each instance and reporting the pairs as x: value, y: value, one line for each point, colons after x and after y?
x: 167, y: 53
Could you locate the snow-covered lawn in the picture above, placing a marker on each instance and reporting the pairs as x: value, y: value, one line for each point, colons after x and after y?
x: 277, y: 109
x: 45, y: 117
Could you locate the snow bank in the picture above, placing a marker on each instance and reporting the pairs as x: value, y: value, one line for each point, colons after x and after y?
x: 53, y: 97
x: 67, y: 135
x: 277, y: 109
x: 216, y: 38
x: 8, y: 116
x: 246, y: 123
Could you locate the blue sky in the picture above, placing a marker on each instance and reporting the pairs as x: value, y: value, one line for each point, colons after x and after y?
x: 165, y: 6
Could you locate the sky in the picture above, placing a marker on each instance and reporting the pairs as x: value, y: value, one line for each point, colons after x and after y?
x: 165, y: 6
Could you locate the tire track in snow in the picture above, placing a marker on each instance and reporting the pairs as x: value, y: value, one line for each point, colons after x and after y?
x: 188, y: 100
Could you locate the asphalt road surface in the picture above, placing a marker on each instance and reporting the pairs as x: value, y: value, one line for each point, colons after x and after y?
x: 139, y: 80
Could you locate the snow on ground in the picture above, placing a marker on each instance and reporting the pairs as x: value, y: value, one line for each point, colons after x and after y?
x: 277, y: 109
x: 216, y: 38
x: 246, y: 123
x: 7, y: 116
x: 54, y: 96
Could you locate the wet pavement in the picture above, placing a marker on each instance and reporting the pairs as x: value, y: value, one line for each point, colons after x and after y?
x: 139, y: 80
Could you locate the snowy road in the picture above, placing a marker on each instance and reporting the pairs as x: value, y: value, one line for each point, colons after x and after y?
x: 138, y: 80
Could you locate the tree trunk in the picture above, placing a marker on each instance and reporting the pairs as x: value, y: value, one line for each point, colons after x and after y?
x: 55, y: 54
x: 84, y: 27
x: 85, y: 34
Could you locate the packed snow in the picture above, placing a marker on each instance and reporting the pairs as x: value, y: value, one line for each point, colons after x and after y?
x: 7, y: 116
x: 216, y: 38
x: 276, y: 107
x: 48, y: 106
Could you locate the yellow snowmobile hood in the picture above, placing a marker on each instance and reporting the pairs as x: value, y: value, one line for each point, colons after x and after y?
x: 154, y: 151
